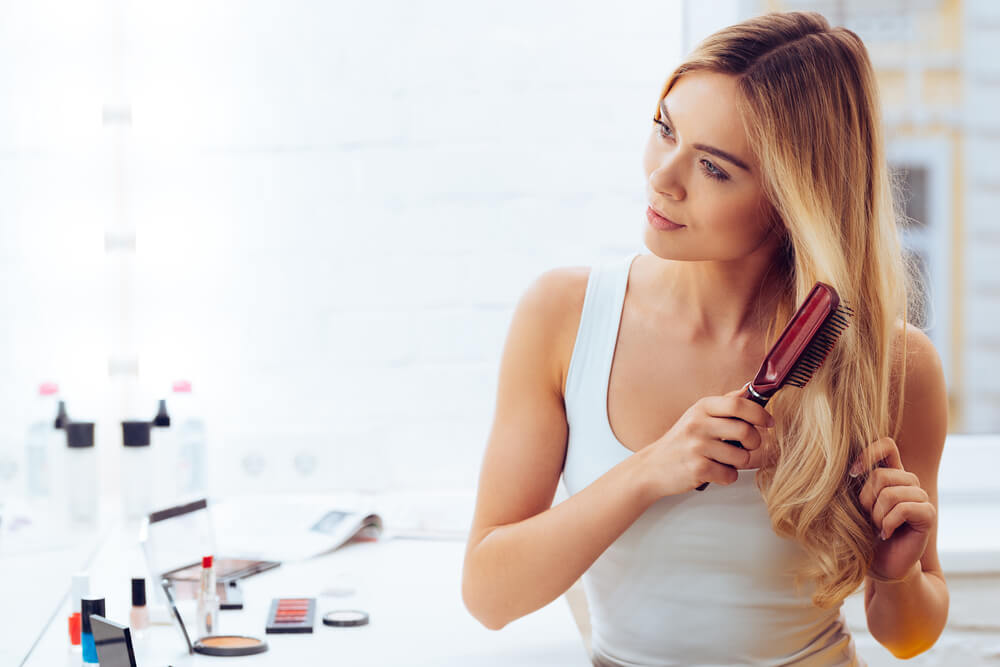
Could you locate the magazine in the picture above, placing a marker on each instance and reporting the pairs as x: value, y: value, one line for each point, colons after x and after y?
x: 292, y: 531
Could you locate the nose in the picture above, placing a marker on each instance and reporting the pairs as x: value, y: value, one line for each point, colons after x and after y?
x: 666, y: 178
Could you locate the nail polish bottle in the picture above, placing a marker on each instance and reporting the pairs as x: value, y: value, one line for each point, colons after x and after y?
x: 89, y: 606
x: 79, y: 589
x: 75, y: 651
x: 138, y: 617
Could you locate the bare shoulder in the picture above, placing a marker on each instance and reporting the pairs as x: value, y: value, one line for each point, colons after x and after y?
x: 560, y: 289
x: 923, y: 422
x: 924, y: 372
x: 555, y: 302
x: 527, y: 442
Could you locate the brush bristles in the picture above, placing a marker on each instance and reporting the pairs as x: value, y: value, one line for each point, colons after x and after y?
x: 821, y: 344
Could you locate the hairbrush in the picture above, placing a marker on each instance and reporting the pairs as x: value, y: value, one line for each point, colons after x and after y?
x: 801, y: 348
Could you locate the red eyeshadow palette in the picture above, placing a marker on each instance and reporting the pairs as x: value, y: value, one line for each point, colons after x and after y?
x: 289, y: 615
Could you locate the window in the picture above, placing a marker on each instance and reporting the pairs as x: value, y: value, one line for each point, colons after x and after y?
x: 922, y: 171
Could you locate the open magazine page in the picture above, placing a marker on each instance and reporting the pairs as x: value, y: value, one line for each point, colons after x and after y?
x: 431, y: 515
x: 295, y: 527
x: 292, y: 528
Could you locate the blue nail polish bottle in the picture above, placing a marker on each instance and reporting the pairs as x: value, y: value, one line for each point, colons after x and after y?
x: 89, y: 606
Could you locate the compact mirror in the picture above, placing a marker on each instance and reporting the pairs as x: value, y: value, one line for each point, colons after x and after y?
x: 223, y: 645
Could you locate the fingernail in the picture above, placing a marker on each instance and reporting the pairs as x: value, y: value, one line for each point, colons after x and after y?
x: 854, y: 472
x: 883, y: 537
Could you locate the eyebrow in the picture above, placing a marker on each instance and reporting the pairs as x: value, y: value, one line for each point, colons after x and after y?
x: 718, y: 152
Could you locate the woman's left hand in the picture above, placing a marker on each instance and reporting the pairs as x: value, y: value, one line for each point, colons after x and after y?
x: 901, y: 511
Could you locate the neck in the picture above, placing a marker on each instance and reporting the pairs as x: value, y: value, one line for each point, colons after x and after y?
x: 726, y: 303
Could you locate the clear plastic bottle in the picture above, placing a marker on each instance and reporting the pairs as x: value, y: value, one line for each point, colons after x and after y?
x: 43, y: 442
x: 81, y: 472
x: 136, y: 469
x: 164, y: 446
x: 190, y: 442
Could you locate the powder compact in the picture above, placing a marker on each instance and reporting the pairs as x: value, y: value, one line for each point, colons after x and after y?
x: 346, y: 618
x: 224, y: 645
x: 229, y: 645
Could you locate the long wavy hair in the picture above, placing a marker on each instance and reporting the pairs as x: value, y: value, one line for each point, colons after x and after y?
x: 810, y: 105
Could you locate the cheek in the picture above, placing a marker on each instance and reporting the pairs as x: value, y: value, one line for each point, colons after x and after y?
x: 739, y: 211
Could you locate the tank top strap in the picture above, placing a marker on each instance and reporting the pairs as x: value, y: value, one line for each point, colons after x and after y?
x: 600, y: 318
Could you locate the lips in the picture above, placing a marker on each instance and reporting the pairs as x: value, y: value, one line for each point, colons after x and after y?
x: 666, y: 218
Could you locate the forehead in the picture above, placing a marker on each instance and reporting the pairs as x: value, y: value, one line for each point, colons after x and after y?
x: 704, y: 108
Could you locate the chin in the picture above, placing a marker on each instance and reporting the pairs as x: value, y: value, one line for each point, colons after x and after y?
x: 660, y: 246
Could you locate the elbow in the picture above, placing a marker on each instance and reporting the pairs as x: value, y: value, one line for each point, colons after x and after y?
x: 490, y: 623
x: 908, y: 651
x: 487, y: 619
x: 906, y: 654
x: 478, y: 608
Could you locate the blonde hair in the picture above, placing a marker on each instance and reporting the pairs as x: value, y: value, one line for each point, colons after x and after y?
x: 810, y: 104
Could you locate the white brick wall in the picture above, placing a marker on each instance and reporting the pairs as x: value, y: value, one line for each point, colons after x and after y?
x: 55, y: 200
x: 336, y: 207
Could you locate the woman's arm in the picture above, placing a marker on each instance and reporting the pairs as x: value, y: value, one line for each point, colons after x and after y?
x: 908, y: 616
x: 522, y: 553
x: 512, y: 570
x: 515, y: 565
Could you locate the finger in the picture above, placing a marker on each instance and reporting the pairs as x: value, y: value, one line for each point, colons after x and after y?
x: 757, y: 456
x: 729, y: 455
x: 740, y: 408
x: 883, y: 451
x: 880, y: 479
x: 727, y: 428
x: 767, y: 453
x: 708, y: 470
x: 892, y: 496
x: 920, y: 516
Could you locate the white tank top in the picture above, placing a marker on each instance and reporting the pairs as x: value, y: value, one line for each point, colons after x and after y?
x: 700, y: 578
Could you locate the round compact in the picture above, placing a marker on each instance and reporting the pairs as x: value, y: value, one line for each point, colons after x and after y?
x: 345, y: 618
x: 229, y: 645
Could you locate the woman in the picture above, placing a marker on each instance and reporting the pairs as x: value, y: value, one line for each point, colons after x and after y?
x: 766, y: 172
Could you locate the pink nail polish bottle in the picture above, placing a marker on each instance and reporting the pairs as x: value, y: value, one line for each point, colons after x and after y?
x: 138, y: 617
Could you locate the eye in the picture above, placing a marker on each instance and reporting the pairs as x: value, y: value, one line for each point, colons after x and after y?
x: 663, y: 130
x: 712, y: 171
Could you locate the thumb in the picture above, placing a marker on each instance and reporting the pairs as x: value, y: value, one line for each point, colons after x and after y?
x: 736, y: 392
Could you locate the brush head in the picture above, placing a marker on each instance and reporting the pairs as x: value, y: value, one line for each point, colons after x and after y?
x: 804, y: 344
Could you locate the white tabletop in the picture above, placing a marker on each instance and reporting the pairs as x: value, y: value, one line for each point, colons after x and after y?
x: 411, y: 588
x: 38, y: 556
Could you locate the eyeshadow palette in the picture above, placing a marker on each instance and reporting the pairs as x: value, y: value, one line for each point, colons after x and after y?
x: 288, y: 615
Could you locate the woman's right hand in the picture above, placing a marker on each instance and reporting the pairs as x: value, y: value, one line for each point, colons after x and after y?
x: 693, y: 452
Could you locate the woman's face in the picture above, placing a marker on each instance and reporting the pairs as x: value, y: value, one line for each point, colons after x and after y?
x: 701, y: 174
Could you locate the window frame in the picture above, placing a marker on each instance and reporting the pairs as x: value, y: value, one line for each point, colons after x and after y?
x: 934, y: 239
